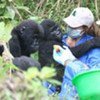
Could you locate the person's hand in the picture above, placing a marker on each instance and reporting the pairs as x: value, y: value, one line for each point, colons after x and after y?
x: 62, y: 55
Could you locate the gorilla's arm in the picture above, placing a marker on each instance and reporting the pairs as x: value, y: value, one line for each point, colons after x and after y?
x: 14, y: 46
x: 1, y: 49
x: 81, y: 49
x: 24, y: 62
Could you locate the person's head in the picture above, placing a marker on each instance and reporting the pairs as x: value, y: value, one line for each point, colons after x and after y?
x: 79, y: 22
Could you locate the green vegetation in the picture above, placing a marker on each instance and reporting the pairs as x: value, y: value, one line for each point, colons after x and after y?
x: 28, y: 85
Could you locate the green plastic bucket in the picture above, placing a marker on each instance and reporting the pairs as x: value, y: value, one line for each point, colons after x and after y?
x: 88, y: 85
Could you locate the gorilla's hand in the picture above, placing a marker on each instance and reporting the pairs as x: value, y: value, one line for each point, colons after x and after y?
x: 1, y: 49
x: 55, y: 33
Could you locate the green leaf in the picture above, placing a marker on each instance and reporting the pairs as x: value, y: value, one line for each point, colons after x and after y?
x: 47, y: 72
x: 23, y: 8
x: 53, y: 81
x: 2, y: 28
x: 5, y: 31
x: 34, y: 56
x: 10, y: 0
x: 9, y: 13
x: 2, y: 5
x: 35, y: 18
x: 31, y: 73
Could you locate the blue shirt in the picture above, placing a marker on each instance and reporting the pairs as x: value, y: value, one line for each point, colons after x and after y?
x: 92, y: 57
x: 88, y: 61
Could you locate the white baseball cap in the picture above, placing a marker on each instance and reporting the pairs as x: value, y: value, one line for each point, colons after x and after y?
x: 79, y: 17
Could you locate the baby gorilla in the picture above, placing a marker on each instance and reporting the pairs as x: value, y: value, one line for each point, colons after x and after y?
x: 52, y: 35
x: 24, y: 39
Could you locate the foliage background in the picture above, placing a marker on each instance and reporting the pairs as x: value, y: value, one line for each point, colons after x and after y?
x: 12, y: 12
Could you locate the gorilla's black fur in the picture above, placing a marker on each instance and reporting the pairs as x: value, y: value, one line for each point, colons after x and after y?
x: 1, y: 49
x: 24, y: 38
x: 25, y: 62
x: 52, y: 35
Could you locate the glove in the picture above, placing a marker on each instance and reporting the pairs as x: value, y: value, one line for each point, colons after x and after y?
x: 63, y: 55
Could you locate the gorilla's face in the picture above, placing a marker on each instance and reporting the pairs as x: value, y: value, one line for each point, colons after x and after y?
x: 55, y: 33
x: 28, y: 33
x: 51, y: 30
x: 29, y: 38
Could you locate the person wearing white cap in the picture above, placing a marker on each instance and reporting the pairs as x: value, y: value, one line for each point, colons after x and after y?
x: 79, y: 22
x: 79, y: 17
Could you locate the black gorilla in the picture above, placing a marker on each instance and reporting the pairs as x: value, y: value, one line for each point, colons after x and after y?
x: 52, y: 35
x: 24, y: 39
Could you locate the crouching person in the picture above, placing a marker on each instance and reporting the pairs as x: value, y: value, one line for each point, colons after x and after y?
x: 79, y: 22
